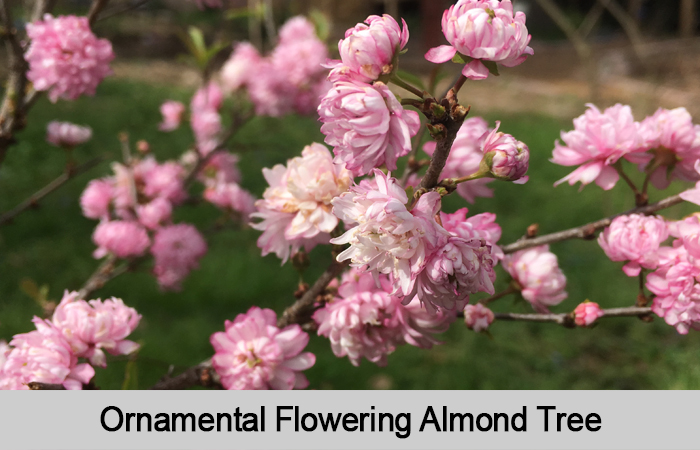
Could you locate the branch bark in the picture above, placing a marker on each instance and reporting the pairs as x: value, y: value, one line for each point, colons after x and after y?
x: 34, y: 199
x: 587, y: 231
x: 566, y: 319
x: 95, y: 10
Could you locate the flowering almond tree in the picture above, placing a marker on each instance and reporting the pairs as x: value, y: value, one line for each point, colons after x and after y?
x: 403, y: 269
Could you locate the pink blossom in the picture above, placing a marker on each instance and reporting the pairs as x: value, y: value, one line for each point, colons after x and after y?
x: 675, y: 144
x: 96, y: 198
x: 161, y: 180
x: 586, y: 313
x: 66, y: 58
x: 480, y: 226
x: 122, y: 238
x: 387, y: 238
x: 43, y: 356
x: 457, y: 269
x: 155, y: 213
x: 205, y: 118
x: 241, y: 67
x: 483, y: 30
x: 94, y: 326
x: 253, y: 353
x: 507, y: 158
x: 677, y: 293
x: 635, y: 238
x: 177, y: 250
x: 465, y: 158
x: 370, y: 49
x: 172, y: 112
x: 366, y: 125
x: 478, y: 317
x: 221, y: 167
x: 4, y: 351
x: 66, y: 134
x: 537, y: 272
x: 367, y: 321
x: 230, y: 196
x: 597, y: 142
x: 296, y: 208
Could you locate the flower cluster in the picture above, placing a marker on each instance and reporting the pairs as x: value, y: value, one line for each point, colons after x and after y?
x: 78, y: 329
x: 290, y: 79
x: 634, y: 238
x: 362, y: 119
x: 366, y: 320
x: 253, y: 353
x: 421, y: 257
x: 482, y: 33
x: 135, y: 207
x: 65, y: 58
x: 665, y: 146
x: 296, y: 208
x: 536, y: 274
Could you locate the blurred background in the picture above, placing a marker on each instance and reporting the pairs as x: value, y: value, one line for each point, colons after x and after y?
x: 642, y: 53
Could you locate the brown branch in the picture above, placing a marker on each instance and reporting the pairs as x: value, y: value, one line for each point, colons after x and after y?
x: 124, y: 10
x: 37, y: 386
x: 566, y: 319
x: 34, y: 199
x: 200, y: 375
x: 107, y: 271
x: 95, y: 9
x: 587, y: 231
x: 299, y: 312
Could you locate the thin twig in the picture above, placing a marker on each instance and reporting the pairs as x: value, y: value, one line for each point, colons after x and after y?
x: 37, y: 386
x: 587, y: 231
x: 105, y: 272
x: 200, y: 375
x: 131, y: 7
x: 34, y: 199
x: 95, y: 9
x: 566, y: 319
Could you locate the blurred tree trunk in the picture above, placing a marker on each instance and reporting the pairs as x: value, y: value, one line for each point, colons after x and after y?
x: 686, y: 19
x: 431, y: 16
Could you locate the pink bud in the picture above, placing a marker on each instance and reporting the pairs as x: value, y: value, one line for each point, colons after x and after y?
x: 478, y: 317
x: 506, y: 158
x: 586, y: 313
x: 65, y: 134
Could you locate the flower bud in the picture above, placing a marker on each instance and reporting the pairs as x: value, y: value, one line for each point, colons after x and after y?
x: 478, y: 317
x: 506, y: 158
x: 586, y: 313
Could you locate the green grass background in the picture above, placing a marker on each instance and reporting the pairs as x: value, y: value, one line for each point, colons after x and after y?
x: 51, y: 246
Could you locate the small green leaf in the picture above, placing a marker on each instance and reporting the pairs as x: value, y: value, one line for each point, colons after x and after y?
x: 321, y: 24
x: 238, y: 13
x: 131, y: 376
x: 409, y: 193
x: 493, y: 68
x: 461, y: 59
x: 411, y: 78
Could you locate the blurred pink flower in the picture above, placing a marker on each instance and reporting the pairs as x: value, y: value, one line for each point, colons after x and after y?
x: 172, y: 112
x: 635, y: 238
x: 465, y: 158
x: 230, y: 196
x: 677, y: 293
x: 254, y: 354
x: 205, y: 119
x: 366, y: 125
x: 66, y: 134
x: 478, y: 317
x: 586, y: 313
x: 164, y: 180
x: 537, y: 272
x: 296, y: 207
x: 43, y: 356
x: 177, y: 250
x: 65, y: 58
x: 483, y: 30
x: 94, y: 326
x: 387, y: 238
x: 241, y: 67
x: 124, y: 239
x: 96, y: 198
x: 155, y: 213
x: 597, y: 142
